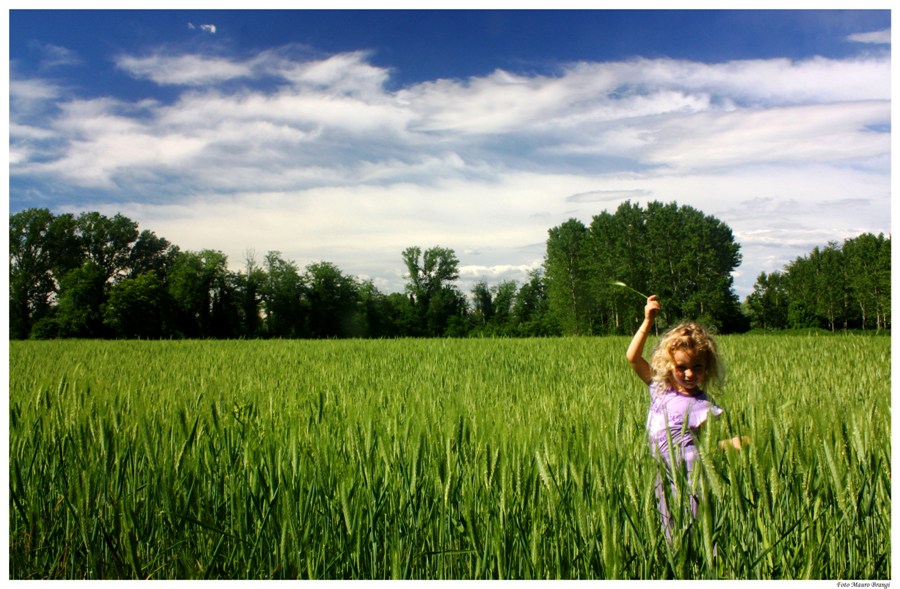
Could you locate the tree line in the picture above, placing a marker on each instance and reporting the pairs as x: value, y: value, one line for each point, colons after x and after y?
x: 844, y: 286
x: 93, y: 276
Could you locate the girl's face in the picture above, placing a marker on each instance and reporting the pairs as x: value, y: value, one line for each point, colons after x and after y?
x: 688, y: 370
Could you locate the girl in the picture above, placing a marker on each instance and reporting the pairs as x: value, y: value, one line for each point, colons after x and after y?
x: 684, y: 361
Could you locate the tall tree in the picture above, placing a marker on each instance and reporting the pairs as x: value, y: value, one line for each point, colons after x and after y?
x: 377, y: 315
x: 430, y: 271
x: 834, y: 287
x: 30, y: 269
x: 332, y: 299
x: 138, y: 307
x: 202, y: 293
x: 431, y: 276
x: 868, y: 262
x: 150, y: 252
x: 482, y: 304
x: 492, y: 308
x: 82, y: 293
x: 401, y: 316
x: 768, y: 303
x: 504, y: 296
x: 802, y: 289
x: 283, y: 301
x: 250, y: 289
x: 446, y: 314
x: 568, y: 285
x: 692, y: 256
x: 531, y: 308
x: 42, y: 249
x: 107, y: 241
x: 618, y: 252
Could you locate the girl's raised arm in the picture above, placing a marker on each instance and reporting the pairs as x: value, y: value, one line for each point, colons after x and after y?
x: 635, y: 353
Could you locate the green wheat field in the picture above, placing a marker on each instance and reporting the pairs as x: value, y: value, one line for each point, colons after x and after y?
x: 437, y: 459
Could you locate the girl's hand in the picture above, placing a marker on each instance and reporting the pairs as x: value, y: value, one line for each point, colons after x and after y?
x: 651, y: 308
x: 736, y: 442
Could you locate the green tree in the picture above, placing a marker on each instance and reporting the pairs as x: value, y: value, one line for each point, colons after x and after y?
x: 107, y: 241
x: 768, y: 303
x: 868, y: 263
x: 431, y: 276
x: 42, y: 249
x: 150, y: 252
x: 568, y: 285
x: 78, y: 313
x: 137, y: 307
x: 531, y: 308
x: 203, y: 294
x: 482, y: 304
x: 401, y: 318
x: 817, y: 289
x: 618, y: 252
x: 676, y: 252
x: 802, y: 288
x: 692, y: 256
x: 492, y: 308
x: 250, y: 286
x: 841, y: 286
x: 30, y: 269
x: 504, y: 297
x: 377, y: 315
x: 332, y: 299
x: 283, y: 304
x: 834, y: 287
x: 446, y: 313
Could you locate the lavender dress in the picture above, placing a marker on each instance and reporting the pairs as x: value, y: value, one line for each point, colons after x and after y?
x: 681, y: 415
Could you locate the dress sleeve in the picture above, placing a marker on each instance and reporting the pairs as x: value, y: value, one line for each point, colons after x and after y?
x: 701, y: 412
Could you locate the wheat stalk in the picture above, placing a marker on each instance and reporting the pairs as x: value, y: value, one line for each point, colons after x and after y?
x: 623, y: 285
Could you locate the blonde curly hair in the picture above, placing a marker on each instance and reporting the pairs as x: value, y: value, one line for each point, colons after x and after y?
x: 695, y: 339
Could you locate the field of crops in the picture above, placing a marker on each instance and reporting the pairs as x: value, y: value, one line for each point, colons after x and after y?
x: 437, y: 459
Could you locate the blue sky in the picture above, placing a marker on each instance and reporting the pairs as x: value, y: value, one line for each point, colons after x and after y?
x: 346, y: 136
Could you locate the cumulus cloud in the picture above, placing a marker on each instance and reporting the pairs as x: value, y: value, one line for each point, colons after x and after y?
x: 323, y: 161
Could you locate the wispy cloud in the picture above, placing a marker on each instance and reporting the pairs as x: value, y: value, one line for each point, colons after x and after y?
x: 54, y: 56
x: 210, y: 28
x: 35, y: 90
x: 323, y: 161
x: 875, y: 37
x: 183, y: 70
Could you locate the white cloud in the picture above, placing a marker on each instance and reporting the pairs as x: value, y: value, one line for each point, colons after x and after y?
x: 210, y: 28
x: 345, y: 73
x: 599, y: 196
x: 183, y: 70
x: 598, y: 94
x: 821, y: 133
x: 26, y: 97
x: 875, y: 37
x: 54, y: 56
x: 501, y: 272
x: 326, y: 163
